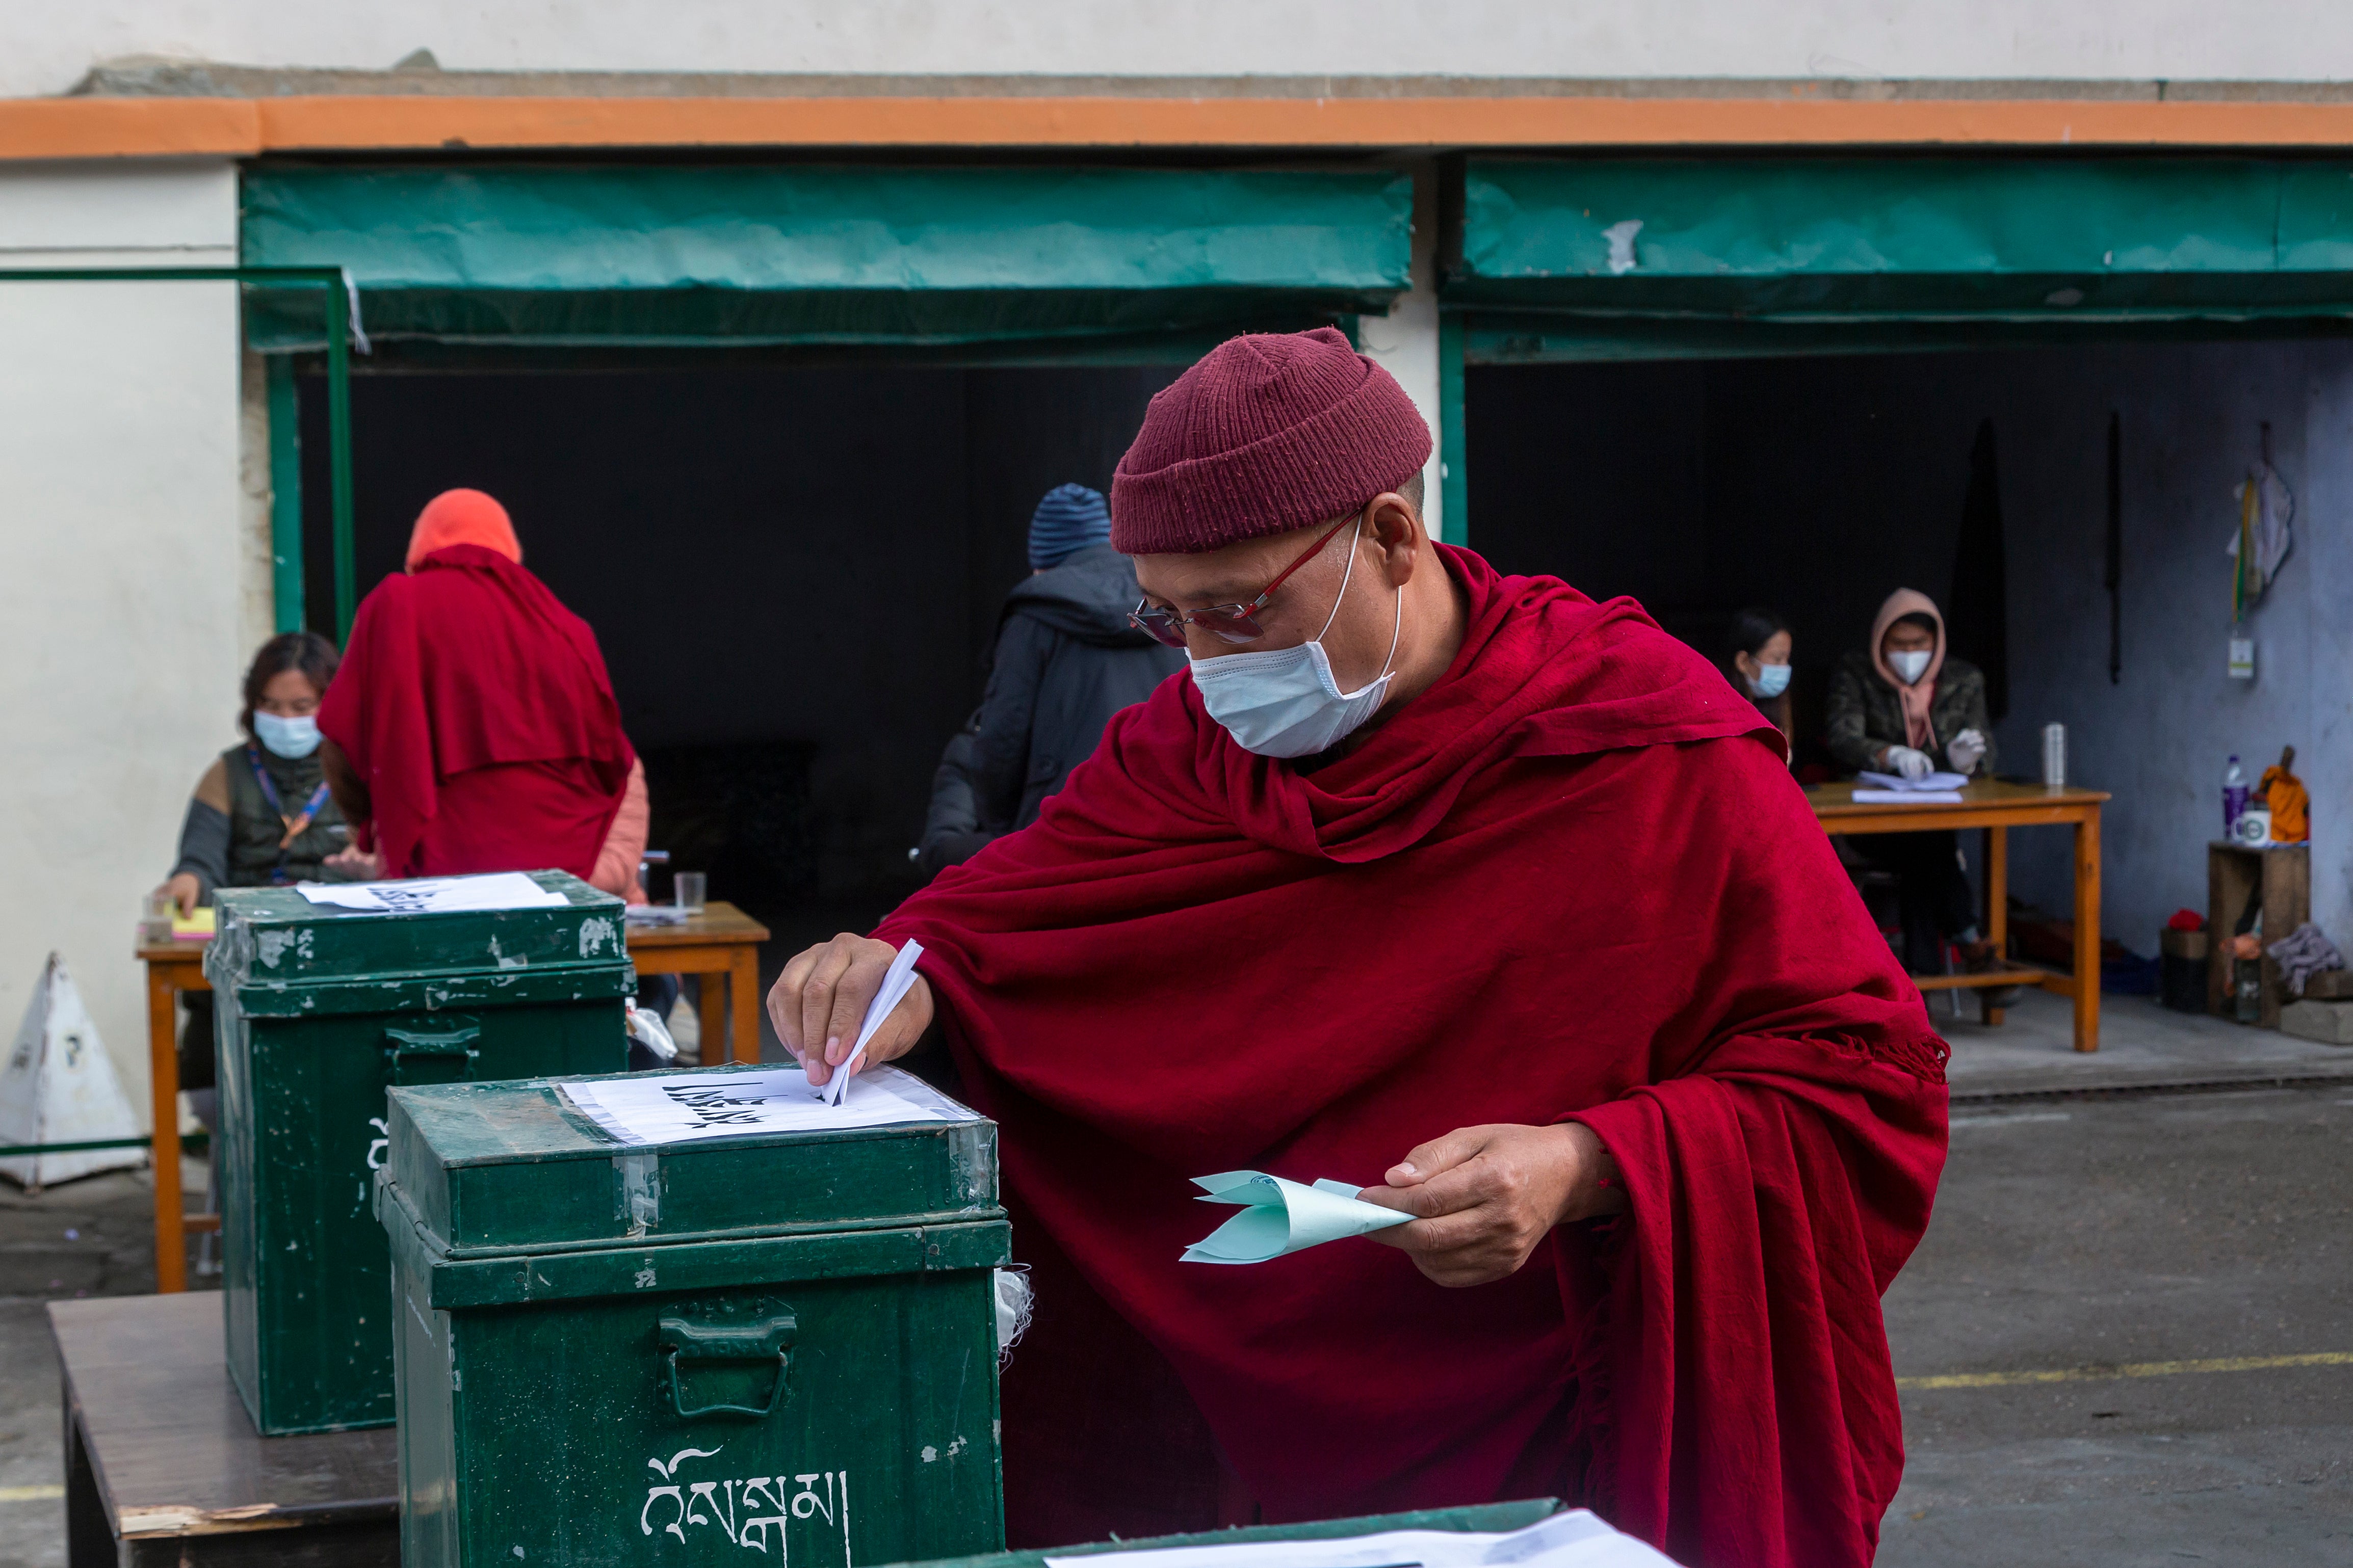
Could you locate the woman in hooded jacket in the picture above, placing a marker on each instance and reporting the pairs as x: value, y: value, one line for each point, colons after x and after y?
x: 1905, y: 706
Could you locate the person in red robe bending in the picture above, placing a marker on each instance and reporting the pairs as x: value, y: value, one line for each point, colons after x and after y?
x: 1466, y: 888
x: 471, y: 726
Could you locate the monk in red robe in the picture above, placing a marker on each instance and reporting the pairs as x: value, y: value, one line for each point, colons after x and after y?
x: 1497, y: 900
x: 471, y: 726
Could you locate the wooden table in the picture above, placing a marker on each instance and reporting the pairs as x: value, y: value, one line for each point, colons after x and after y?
x: 172, y: 967
x: 1997, y: 807
x: 722, y: 942
x: 164, y: 1466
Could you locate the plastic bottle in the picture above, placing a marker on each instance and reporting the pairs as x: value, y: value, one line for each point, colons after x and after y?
x: 2234, y: 795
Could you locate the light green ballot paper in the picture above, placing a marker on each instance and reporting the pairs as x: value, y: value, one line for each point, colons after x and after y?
x: 1280, y: 1216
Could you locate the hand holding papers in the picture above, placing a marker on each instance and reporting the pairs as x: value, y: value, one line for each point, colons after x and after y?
x: 897, y: 980
x: 1283, y: 1216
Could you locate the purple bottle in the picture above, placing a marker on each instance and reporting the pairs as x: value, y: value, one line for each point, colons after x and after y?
x: 2234, y: 796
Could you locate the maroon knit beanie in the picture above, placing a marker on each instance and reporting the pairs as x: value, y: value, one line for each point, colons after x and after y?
x: 1269, y: 433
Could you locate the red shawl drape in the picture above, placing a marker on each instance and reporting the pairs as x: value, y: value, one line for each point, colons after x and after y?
x: 476, y: 708
x: 1565, y: 882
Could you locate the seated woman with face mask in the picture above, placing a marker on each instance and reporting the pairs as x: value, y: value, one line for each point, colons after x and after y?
x: 1757, y: 649
x: 260, y: 815
x: 1906, y: 708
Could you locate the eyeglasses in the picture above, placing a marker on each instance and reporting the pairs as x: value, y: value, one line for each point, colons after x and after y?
x: 1230, y: 623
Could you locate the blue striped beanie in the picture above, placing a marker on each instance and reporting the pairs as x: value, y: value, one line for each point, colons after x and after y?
x: 1071, y: 518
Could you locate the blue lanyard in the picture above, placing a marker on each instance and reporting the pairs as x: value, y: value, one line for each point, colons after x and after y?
x: 293, y: 825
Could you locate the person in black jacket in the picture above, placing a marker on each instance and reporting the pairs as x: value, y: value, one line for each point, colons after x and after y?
x: 1067, y: 660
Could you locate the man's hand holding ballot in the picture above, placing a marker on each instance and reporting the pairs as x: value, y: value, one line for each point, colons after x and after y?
x: 820, y: 1000
x: 1487, y: 1196
x: 1482, y: 1196
x: 1466, y: 885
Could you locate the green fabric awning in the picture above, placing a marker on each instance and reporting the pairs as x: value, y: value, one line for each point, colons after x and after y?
x: 654, y: 256
x: 1621, y: 257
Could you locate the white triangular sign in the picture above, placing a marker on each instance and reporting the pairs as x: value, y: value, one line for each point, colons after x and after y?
x: 60, y: 1088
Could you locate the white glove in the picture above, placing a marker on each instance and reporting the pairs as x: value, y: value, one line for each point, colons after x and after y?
x: 1969, y: 748
x: 1912, y: 765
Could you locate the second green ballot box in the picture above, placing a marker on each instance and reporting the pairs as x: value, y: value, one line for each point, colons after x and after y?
x: 685, y: 1352
x: 322, y: 1008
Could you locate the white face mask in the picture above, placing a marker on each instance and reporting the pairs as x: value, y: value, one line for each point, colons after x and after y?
x: 289, y: 737
x: 1284, y: 703
x: 1909, y: 667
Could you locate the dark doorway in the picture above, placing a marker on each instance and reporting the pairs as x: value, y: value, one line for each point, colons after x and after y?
x: 1812, y: 485
x: 794, y: 574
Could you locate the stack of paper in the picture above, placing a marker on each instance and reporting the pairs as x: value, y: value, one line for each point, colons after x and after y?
x: 1924, y: 784
x: 686, y: 1107
x: 1891, y: 789
x: 436, y: 895
x: 1577, y: 1539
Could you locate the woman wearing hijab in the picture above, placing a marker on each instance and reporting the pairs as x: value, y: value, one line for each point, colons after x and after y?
x: 1906, y: 708
x: 472, y: 727
x: 1755, y: 659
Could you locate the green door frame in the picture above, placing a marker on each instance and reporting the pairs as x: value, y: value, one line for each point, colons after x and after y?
x: 286, y: 508
x: 1453, y: 472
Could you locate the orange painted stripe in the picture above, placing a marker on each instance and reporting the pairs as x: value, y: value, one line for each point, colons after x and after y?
x: 89, y: 128
x: 349, y: 123
x: 127, y: 127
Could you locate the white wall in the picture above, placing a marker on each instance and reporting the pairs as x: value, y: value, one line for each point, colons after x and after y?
x: 123, y: 637
x: 1405, y: 341
x: 2293, y: 40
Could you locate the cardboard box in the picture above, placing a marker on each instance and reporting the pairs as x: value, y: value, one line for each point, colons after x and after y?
x: 2181, y: 943
x: 2330, y: 986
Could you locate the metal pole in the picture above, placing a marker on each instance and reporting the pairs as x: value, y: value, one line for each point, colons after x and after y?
x: 285, y: 495
x: 339, y: 450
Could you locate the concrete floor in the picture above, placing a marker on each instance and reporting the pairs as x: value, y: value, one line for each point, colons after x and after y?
x: 2072, y: 1232
x: 2113, y: 1232
x: 2032, y: 1051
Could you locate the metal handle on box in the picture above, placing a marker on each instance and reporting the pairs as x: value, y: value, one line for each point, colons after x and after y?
x: 453, y: 1041
x: 683, y: 1340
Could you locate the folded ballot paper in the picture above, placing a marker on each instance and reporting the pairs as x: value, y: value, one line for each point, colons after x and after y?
x: 1576, y: 1539
x: 1280, y: 1216
x: 897, y: 980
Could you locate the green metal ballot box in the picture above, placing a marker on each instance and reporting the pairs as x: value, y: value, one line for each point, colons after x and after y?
x: 685, y: 1352
x: 322, y: 1008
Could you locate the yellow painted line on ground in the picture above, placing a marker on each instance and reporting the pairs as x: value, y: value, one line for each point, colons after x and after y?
x: 31, y: 1494
x: 2130, y: 1369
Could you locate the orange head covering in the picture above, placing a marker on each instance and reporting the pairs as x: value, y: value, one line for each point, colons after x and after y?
x: 1917, y: 696
x: 462, y: 516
